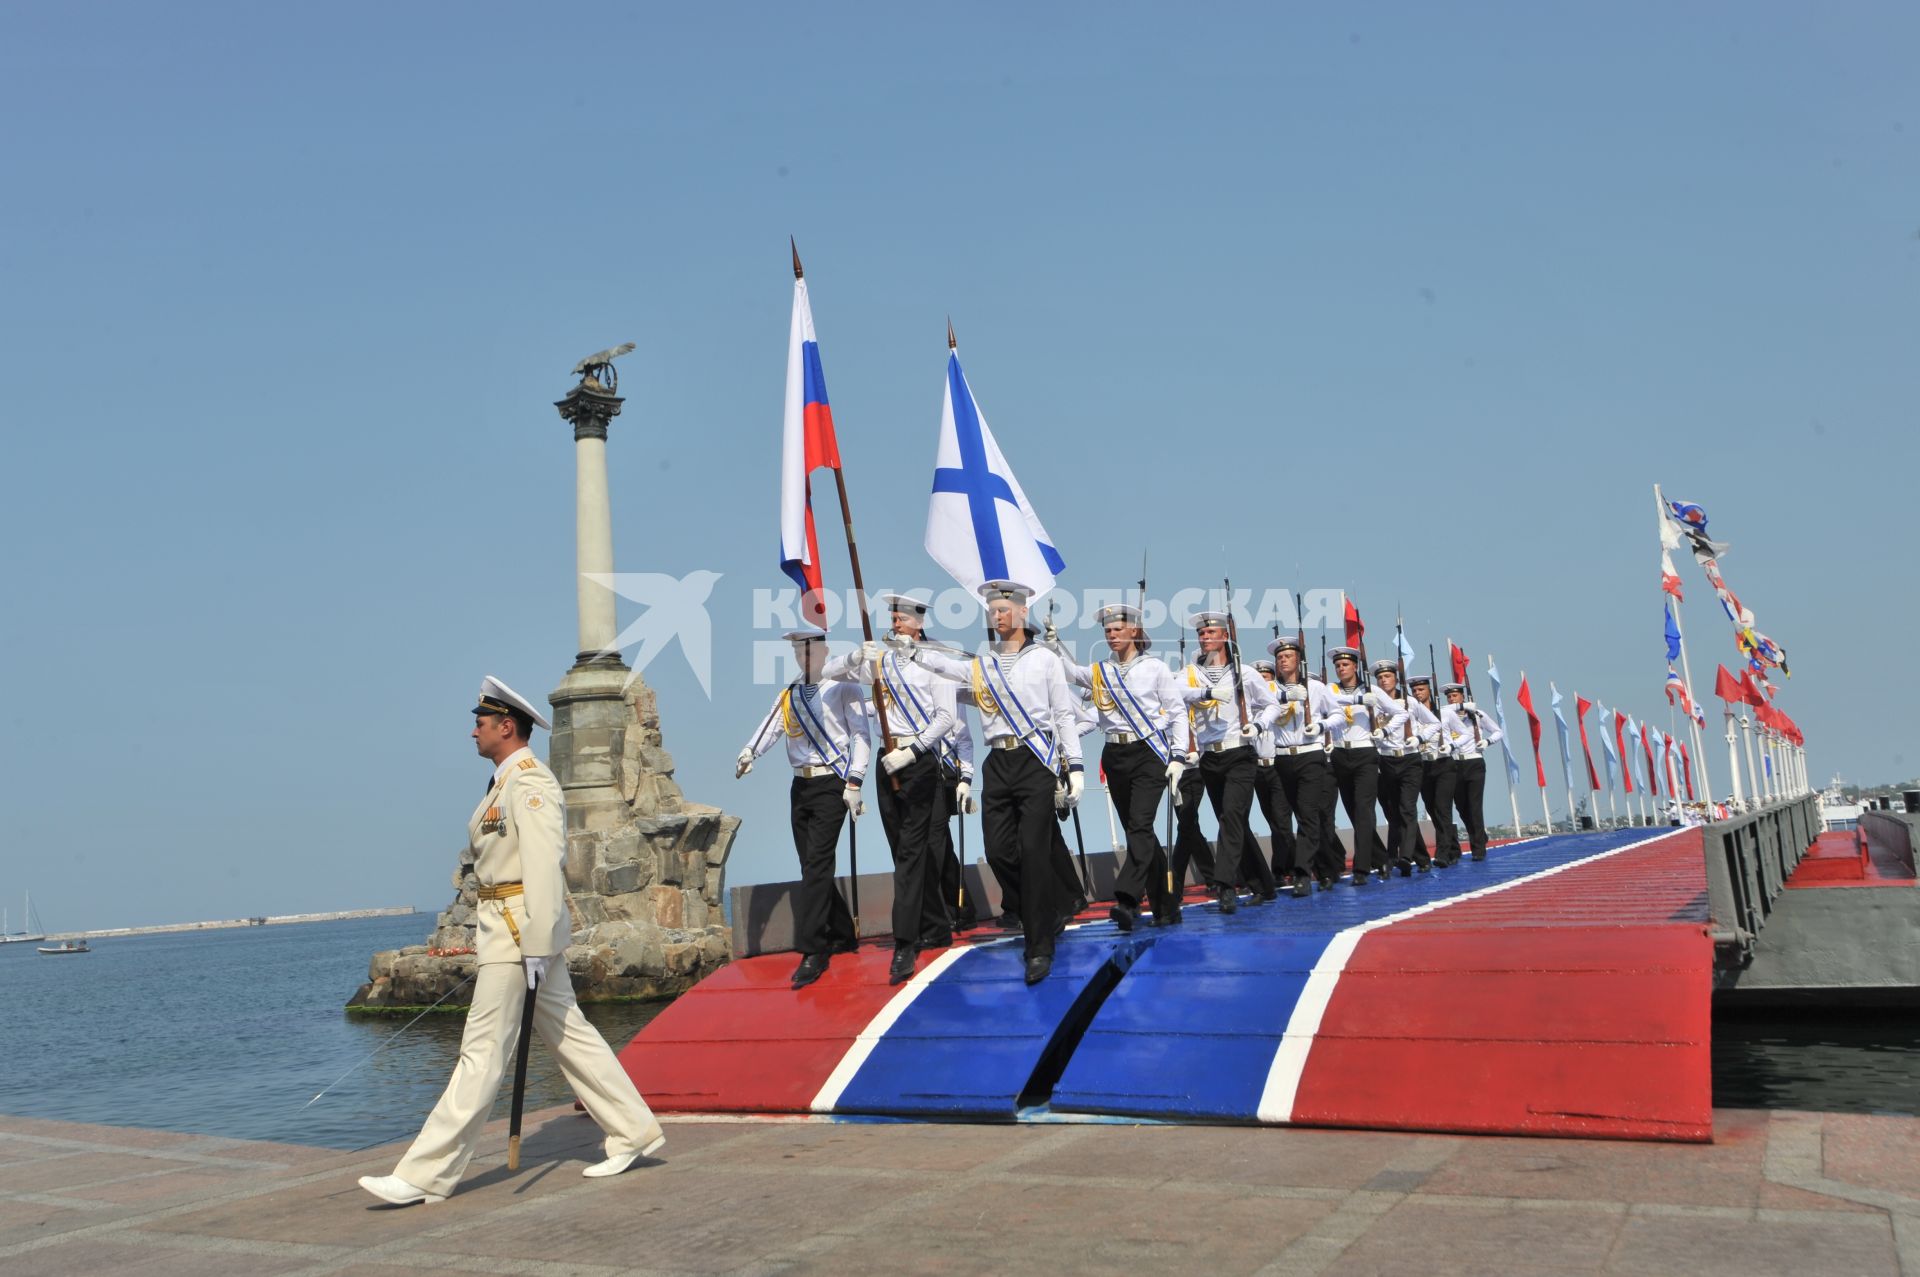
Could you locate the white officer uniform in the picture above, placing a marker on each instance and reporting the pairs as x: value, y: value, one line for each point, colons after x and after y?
x: 1468, y: 734
x: 518, y: 836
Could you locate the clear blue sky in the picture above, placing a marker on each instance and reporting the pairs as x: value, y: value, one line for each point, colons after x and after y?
x: 1417, y: 301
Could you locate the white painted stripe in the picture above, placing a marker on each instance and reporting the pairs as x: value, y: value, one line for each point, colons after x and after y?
x: 1290, y: 1060
x: 877, y: 1028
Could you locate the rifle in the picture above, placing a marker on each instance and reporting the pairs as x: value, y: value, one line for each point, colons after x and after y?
x: 1233, y: 653
x: 1400, y: 676
x: 1467, y: 678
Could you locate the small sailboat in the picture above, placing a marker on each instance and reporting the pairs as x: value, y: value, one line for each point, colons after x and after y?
x: 33, y: 930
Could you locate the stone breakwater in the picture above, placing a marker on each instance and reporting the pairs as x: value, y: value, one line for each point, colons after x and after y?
x: 263, y: 920
x: 646, y: 869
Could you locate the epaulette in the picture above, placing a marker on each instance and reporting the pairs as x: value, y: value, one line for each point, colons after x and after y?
x: 527, y: 763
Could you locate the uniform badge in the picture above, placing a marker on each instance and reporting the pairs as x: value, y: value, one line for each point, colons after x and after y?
x: 533, y: 802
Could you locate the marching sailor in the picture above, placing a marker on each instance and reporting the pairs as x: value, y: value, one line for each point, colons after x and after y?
x: 1438, y: 773
x: 1144, y: 718
x: 919, y: 713
x: 956, y: 779
x: 1397, y: 735
x: 826, y: 730
x: 1468, y: 732
x: 518, y: 835
x: 1032, y: 732
x: 1356, y: 762
x: 1279, y: 828
x: 1190, y: 846
x: 1221, y: 690
x: 1303, y: 778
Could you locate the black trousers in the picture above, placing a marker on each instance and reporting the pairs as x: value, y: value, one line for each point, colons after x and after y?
x: 1190, y: 846
x: 1357, y: 774
x: 1469, y: 793
x: 1436, y: 790
x: 1023, y: 841
x: 1228, y: 777
x: 1138, y: 781
x: 822, y: 923
x: 1400, y: 799
x: 1272, y: 798
x: 964, y: 912
x: 1303, y: 783
x: 910, y: 815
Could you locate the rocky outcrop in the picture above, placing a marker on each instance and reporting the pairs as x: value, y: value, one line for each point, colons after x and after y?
x: 646, y: 870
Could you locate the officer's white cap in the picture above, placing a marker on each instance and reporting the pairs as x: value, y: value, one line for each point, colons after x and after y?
x: 497, y: 698
x: 1011, y: 591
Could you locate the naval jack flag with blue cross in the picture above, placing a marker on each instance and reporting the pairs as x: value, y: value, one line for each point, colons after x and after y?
x: 980, y: 526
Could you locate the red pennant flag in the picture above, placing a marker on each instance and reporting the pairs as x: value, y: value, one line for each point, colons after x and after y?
x: 1726, y: 686
x: 1582, y: 705
x: 1620, y: 739
x: 1533, y: 726
x: 1686, y: 770
x: 1653, y: 764
x: 1666, y: 766
x: 1459, y: 659
x: 1356, y: 631
x: 1750, y: 693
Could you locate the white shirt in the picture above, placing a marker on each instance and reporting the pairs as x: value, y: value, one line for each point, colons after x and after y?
x: 1354, y: 714
x: 920, y: 707
x: 1394, y: 737
x: 1299, y: 705
x: 1150, y: 684
x: 838, y: 708
x: 1211, y: 691
x: 1039, y: 683
x: 1458, y: 727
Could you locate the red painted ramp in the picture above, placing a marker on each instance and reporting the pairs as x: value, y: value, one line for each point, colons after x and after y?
x: 1576, y: 1004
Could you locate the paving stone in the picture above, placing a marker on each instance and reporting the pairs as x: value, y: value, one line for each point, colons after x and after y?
x: 1727, y: 1174
x: 1660, y: 1246
x: 1874, y: 1152
x: 125, y: 1253
x: 1430, y: 1230
x: 1236, y: 1155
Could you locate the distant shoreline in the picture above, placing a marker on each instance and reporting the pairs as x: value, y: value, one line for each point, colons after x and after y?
x: 264, y: 920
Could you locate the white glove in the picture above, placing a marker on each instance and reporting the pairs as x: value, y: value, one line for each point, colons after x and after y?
x: 536, y: 967
x: 871, y: 653
x: 1052, y: 635
x: 1468, y: 706
x: 963, y: 796
x: 743, y: 764
x: 1311, y: 730
x: 1193, y: 759
x: 894, y: 759
x: 1250, y: 734
x: 851, y: 797
x: 898, y: 642
x: 1175, y: 770
x: 1076, y: 781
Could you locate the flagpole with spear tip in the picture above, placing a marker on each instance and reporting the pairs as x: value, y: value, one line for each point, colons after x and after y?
x: 1686, y: 670
x: 1566, y: 763
x: 1513, y: 800
x: 1538, y: 770
x: 866, y: 632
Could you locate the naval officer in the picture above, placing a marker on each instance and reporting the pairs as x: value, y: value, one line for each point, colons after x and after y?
x: 1032, y: 733
x: 1468, y: 732
x: 1144, y: 719
x: 1397, y: 735
x: 518, y: 835
x: 1231, y: 708
x: 912, y: 796
x: 825, y: 727
x: 1303, y: 778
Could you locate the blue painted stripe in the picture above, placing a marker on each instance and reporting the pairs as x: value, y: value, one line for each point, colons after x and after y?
x: 814, y: 378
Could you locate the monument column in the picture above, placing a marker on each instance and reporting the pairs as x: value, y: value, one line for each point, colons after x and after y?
x: 588, y: 408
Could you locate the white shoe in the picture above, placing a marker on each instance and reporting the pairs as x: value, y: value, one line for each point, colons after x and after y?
x: 614, y: 1165
x: 391, y: 1188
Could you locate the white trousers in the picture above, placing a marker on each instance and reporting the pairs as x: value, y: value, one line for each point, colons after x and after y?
x: 445, y: 1145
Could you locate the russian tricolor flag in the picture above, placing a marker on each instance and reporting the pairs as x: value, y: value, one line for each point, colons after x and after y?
x: 807, y: 444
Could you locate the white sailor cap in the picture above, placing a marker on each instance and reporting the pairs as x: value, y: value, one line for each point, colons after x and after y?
x: 1124, y: 614
x: 1386, y: 665
x: 902, y: 603
x: 497, y: 698
x: 1202, y: 620
x: 1283, y: 644
x: 1345, y: 653
x: 1265, y: 667
x: 1451, y: 688
x: 1011, y: 591
x: 804, y: 634
x: 1415, y: 680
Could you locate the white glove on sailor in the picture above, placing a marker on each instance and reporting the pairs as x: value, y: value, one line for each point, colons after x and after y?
x: 743, y: 764
x: 963, y: 797
x: 871, y: 654
x: 851, y: 797
x: 894, y: 759
x: 536, y: 967
x: 1468, y: 706
x: 1175, y: 770
x: 1066, y: 797
x: 1250, y: 734
x: 899, y: 642
x: 1311, y: 729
